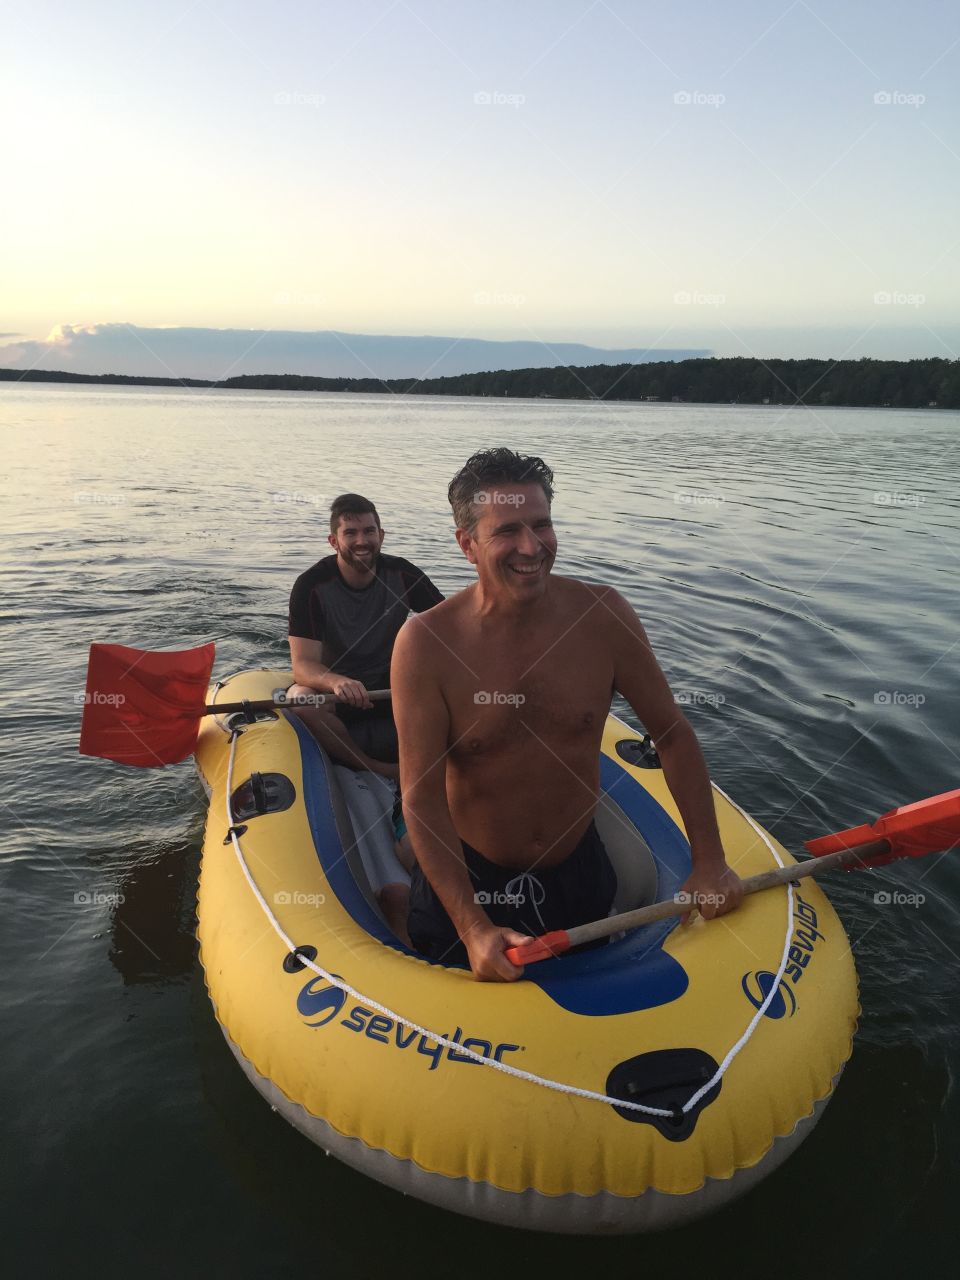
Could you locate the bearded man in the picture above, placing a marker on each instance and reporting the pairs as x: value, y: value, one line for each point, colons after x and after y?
x: 345, y: 614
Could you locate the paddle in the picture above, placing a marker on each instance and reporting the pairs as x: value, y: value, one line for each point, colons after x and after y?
x: 142, y: 708
x: 909, y: 831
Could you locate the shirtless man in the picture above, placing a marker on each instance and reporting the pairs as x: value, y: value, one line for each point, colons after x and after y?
x: 501, y: 697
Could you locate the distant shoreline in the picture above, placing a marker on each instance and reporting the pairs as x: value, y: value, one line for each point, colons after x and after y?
x: 903, y: 384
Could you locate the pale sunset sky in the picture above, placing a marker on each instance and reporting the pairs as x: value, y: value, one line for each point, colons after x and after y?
x: 777, y: 179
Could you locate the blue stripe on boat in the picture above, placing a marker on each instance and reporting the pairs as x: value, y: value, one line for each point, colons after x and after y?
x: 631, y: 974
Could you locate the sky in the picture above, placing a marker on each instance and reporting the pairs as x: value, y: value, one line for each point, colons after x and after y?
x: 772, y: 179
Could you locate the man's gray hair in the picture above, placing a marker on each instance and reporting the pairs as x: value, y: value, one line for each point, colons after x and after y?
x: 488, y: 468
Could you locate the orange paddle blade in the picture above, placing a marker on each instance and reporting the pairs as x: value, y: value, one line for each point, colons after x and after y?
x: 144, y: 708
x: 927, y: 826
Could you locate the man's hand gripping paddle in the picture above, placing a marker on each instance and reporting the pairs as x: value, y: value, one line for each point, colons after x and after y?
x: 910, y: 831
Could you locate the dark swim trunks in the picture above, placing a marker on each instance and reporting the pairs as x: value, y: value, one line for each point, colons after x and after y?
x: 373, y: 729
x: 577, y: 890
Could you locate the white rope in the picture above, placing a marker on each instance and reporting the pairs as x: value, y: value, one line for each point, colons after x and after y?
x: 774, y: 986
x: 503, y: 1067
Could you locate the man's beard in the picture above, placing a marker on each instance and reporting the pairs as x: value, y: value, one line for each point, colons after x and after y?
x: 366, y: 564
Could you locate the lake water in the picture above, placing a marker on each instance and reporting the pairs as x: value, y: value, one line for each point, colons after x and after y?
x: 796, y: 571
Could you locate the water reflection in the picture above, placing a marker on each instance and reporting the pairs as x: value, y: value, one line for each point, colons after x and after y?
x: 152, y: 931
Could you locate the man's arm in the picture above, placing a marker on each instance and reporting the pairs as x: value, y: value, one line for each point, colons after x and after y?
x: 714, y: 887
x: 310, y: 670
x: 423, y: 729
x: 305, y: 628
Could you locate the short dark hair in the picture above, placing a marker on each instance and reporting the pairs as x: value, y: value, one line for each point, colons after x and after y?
x: 493, y: 467
x: 350, y: 504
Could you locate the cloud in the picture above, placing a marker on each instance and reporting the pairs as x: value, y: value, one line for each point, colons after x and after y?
x: 225, y: 353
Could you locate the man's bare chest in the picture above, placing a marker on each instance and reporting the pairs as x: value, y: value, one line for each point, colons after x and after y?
x: 549, y: 686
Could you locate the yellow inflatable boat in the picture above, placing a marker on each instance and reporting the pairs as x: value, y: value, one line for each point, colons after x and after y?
x: 624, y: 1089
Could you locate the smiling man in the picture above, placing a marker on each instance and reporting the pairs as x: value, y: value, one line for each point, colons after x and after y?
x: 345, y: 613
x: 501, y: 697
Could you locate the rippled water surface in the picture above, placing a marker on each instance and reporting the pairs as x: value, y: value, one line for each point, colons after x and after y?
x: 796, y: 572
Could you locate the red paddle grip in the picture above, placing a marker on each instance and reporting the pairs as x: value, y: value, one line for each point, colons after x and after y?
x: 542, y: 948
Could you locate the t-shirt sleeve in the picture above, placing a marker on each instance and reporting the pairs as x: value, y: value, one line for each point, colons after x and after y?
x: 421, y: 593
x: 304, y: 622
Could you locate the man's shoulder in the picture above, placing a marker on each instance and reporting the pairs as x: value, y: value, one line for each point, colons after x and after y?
x: 604, y: 609
x: 409, y: 583
x: 576, y: 591
x: 398, y: 564
x: 433, y: 629
x: 324, y: 570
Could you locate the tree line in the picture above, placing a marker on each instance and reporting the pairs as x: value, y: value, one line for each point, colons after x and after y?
x: 714, y: 380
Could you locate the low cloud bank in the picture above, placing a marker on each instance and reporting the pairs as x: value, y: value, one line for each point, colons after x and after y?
x: 226, y: 353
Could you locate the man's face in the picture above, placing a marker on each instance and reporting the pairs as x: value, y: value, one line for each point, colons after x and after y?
x: 514, y: 544
x: 358, y: 541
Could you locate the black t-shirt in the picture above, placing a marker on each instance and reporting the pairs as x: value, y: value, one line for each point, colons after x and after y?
x: 358, y: 627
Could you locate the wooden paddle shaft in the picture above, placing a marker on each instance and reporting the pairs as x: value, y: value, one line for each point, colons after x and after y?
x: 753, y: 884
x: 272, y: 704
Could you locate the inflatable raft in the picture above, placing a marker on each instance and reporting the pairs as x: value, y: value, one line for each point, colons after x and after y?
x: 630, y: 1088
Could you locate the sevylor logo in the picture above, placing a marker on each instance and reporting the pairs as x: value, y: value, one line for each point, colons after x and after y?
x: 319, y: 1002
x: 327, y: 1002
x: 757, y: 985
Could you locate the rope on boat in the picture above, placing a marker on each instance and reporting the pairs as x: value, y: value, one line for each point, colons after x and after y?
x: 507, y: 1069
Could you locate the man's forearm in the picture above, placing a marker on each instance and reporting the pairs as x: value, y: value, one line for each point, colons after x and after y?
x: 315, y: 675
x: 685, y: 771
x: 440, y: 855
